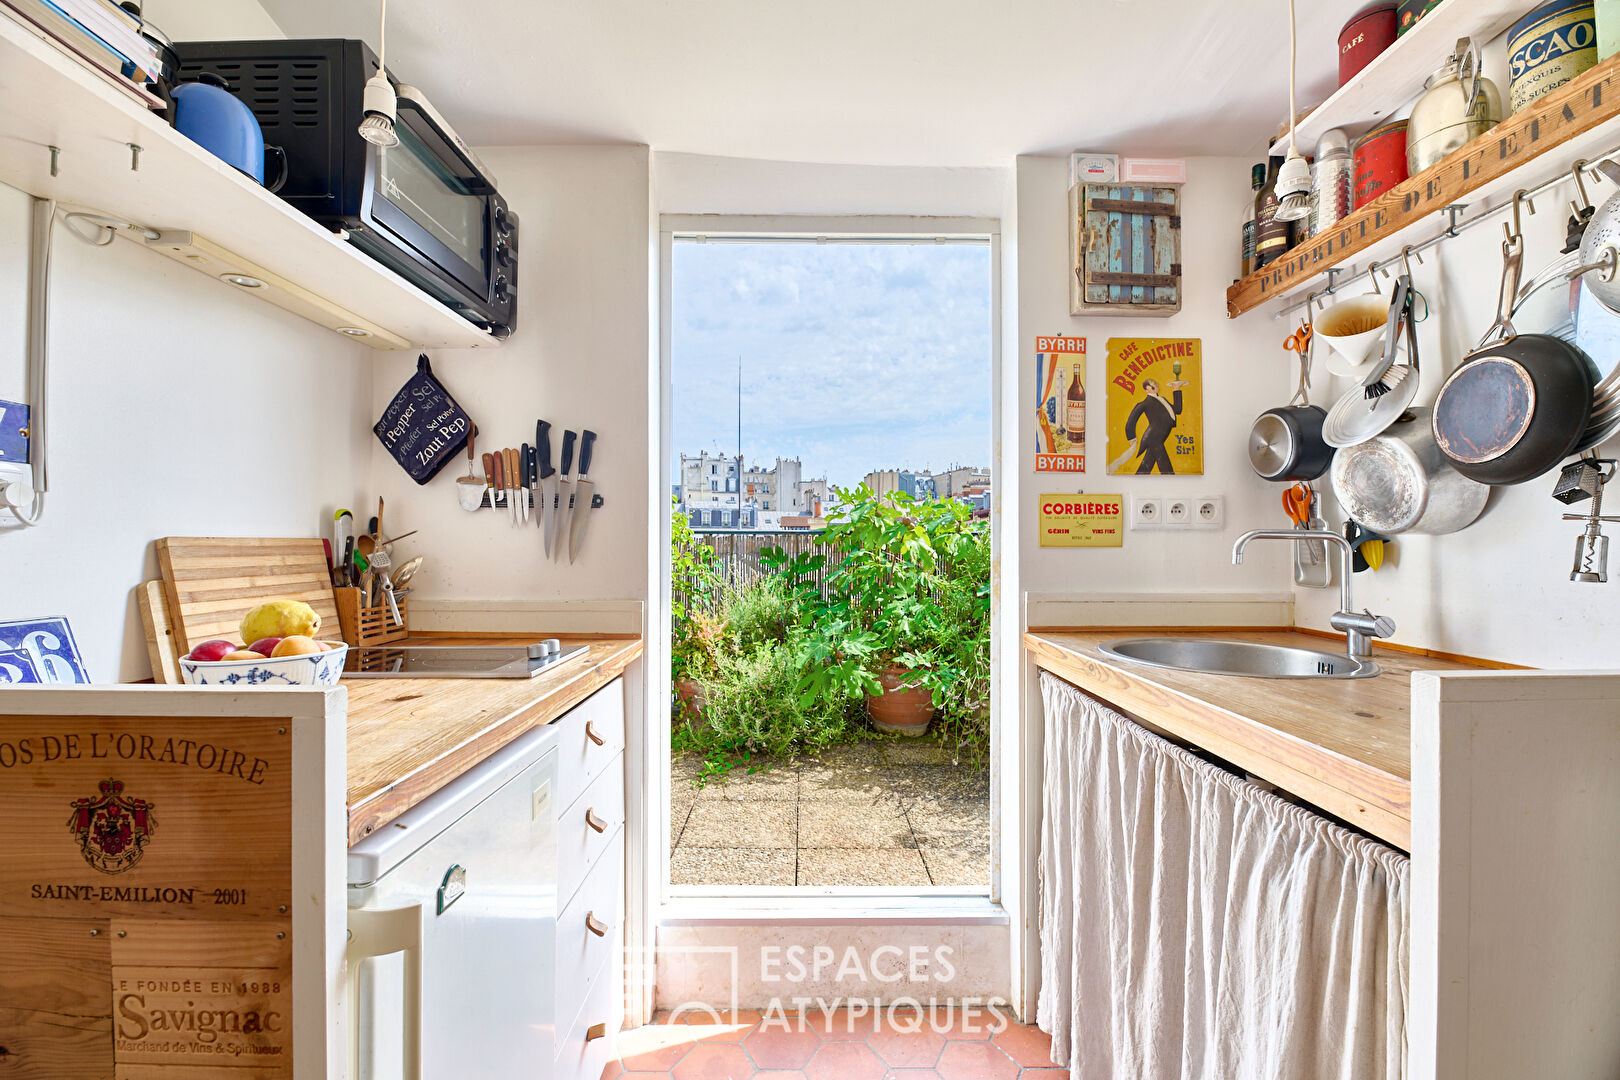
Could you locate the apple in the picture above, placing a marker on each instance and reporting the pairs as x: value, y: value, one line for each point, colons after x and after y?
x: 296, y: 645
x: 265, y: 646
x: 210, y: 651
x: 242, y: 654
x: 326, y: 646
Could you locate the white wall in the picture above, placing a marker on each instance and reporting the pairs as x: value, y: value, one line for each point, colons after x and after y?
x: 1243, y: 376
x: 1499, y: 589
x: 699, y: 184
x: 178, y: 407
x: 578, y: 359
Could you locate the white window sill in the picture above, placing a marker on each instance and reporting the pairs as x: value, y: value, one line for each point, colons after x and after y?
x: 689, y: 905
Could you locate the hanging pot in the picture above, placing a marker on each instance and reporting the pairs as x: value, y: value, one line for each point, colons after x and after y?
x: 1285, y: 444
x: 1400, y: 482
x: 1519, y: 405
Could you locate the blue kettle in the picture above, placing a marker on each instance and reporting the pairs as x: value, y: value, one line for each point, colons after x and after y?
x: 208, y: 114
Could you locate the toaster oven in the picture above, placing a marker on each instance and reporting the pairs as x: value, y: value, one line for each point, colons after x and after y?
x: 427, y: 208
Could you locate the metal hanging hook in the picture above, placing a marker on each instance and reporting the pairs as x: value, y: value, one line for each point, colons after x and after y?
x: 1513, y: 232
x: 1580, y: 186
x: 56, y: 153
x: 1372, y: 276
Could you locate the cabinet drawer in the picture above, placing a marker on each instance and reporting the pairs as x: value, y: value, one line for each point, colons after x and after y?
x: 583, y: 1048
x: 590, y: 736
x: 582, y: 953
x: 587, y: 829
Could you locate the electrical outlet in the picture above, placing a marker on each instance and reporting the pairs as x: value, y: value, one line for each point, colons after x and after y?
x: 1209, y: 510
x: 1146, y: 513
x: 1178, y: 511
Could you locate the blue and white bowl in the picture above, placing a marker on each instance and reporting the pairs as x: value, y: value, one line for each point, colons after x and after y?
x: 319, y: 669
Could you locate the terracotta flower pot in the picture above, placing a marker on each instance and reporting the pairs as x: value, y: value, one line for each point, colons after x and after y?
x: 900, y: 711
x: 691, y: 698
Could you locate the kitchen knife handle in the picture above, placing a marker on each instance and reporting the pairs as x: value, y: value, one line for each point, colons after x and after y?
x: 587, y: 443
x: 524, y: 454
x: 534, y: 467
x: 542, y: 442
x: 500, y: 474
x: 568, y: 451
x: 489, y: 470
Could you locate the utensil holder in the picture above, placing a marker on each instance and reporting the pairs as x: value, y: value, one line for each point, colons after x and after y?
x: 370, y: 625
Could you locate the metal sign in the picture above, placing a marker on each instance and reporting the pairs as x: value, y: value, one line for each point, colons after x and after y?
x: 1082, y: 520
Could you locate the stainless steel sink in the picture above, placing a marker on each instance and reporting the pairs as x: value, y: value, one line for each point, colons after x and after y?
x: 1220, y: 657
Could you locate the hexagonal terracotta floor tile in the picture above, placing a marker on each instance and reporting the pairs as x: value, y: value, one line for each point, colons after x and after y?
x: 907, y: 1049
x: 779, y: 1074
x: 841, y: 1025
x: 654, y: 1048
x: 844, y: 1061
x: 612, y: 1070
x: 714, y: 1061
x: 975, y: 1061
x: 1044, y: 1074
x: 724, y: 1025
x: 911, y: 1074
x: 771, y: 1047
x: 1026, y: 1044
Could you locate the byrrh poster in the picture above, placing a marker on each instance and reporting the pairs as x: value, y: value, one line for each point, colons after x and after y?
x: 1060, y: 404
x: 1155, y: 406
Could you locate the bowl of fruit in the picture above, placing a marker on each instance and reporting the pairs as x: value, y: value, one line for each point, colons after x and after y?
x: 284, y: 651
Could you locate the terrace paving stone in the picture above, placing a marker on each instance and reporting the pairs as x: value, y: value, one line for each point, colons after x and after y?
x: 758, y: 824
x: 731, y: 866
x: 947, y: 866
x: 941, y: 782
x: 775, y: 784
x: 920, y: 751
x: 847, y: 783
x: 852, y: 825
x: 861, y: 866
x: 951, y: 823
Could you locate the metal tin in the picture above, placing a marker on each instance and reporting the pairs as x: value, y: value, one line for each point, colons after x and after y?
x: 1458, y: 103
x: 1549, y: 47
x: 1380, y: 157
x: 1331, y: 181
x: 1408, y: 12
x: 1369, y: 32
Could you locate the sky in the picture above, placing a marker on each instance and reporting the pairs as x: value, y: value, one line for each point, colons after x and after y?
x: 855, y: 357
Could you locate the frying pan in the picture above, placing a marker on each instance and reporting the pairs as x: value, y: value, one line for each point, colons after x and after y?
x: 1519, y: 405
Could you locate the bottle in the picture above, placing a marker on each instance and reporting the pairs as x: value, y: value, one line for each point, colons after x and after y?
x: 1257, y: 180
x: 1076, y: 409
x: 1272, y: 238
x: 1330, y: 182
x: 1057, y: 403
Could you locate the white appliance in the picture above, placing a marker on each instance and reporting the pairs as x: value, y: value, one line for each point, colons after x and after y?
x: 452, y: 928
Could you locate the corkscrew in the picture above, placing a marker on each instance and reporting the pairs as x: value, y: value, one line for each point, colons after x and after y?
x: 1579, y: 481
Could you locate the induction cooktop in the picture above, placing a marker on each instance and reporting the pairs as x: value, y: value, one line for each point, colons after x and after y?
x: 458, y: 661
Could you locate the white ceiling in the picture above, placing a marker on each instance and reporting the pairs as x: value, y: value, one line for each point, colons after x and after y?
x: 906, y: 82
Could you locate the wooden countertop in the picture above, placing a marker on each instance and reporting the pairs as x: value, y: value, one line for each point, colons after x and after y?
x: 409, y: 737
x: 1342, y: 744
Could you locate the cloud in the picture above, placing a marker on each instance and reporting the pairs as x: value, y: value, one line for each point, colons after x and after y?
x: 855, y: 356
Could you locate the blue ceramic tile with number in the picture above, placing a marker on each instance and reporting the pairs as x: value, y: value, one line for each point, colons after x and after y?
x: 13, y: 432
x: 49, y: 644
x: 17, y: 666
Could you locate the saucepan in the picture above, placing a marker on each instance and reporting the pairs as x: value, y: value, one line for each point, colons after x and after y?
x: 1285, y: 443
x: 1400, y: 482
x: 1519, y: 404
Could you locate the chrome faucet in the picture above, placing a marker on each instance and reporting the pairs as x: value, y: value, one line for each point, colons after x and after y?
x: 1359, y: 627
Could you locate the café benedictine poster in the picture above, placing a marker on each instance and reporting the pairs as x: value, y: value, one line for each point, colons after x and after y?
x: 1155, y: 406
x: 1060, y: 404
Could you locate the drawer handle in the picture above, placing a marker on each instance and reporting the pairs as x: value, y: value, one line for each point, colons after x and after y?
x: 590, y: 733
x: 595, y: 1031
x: 595, y: 822
x: 597, y: 928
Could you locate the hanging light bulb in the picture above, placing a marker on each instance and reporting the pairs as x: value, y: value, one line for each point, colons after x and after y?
x: 1294, y: 178
x: 378, y: 100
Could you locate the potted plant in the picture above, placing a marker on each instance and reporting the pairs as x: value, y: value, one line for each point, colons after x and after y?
x: 890, y: 629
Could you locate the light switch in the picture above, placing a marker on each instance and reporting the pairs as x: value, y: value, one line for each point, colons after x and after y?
x: 541, y: 800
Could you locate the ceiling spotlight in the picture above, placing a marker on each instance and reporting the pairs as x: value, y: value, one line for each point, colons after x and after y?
x: 378, y: 100
x: 243, y: 280
x: 353, y: 331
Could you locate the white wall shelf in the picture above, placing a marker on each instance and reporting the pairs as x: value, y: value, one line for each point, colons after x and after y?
x: 179, y: 187
x: 1396, y: 75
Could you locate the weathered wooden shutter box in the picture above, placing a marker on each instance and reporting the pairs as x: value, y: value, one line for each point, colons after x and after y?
x: 1125, y: 249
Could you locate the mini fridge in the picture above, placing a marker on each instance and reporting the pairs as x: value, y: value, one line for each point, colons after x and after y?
x: 452, y: 928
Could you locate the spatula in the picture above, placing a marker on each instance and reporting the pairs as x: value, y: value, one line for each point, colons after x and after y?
x: 470, y: 488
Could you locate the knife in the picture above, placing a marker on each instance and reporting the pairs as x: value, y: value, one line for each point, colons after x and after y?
x: 548, y: 482
x: 523, y: 483
x: 565, y: 498
x: 511, y: 484
x: 500, y: 477
x: 489, y: 478
x: 584, y: 489
x: 534, y: 484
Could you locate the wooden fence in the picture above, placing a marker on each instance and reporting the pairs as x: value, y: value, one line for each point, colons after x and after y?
x: 737, y: 553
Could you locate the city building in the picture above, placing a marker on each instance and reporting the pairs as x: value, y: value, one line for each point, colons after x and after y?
x: 960, y: 481
x: 919, y: 485
x: 719, y: 491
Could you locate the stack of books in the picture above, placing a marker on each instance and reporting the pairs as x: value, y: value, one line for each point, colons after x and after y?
x: 100, y: 33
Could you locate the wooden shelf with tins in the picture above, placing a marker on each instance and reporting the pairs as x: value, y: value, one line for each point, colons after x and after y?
x: 1530, y: 147
x: 206, y: 215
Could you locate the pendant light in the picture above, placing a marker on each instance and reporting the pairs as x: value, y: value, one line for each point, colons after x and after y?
x: 378, y: 100
x: 1294, y: 178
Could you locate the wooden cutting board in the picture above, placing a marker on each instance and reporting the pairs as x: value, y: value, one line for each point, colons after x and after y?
x: 211, y: 582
